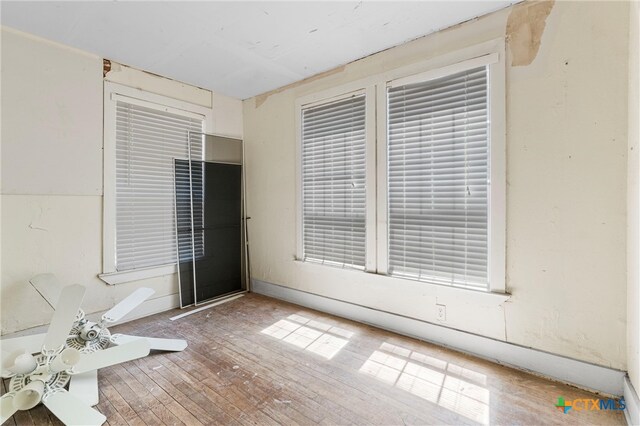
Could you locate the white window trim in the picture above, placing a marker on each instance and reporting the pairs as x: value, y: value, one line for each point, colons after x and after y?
x: 491, y: 53
x: 112, y: 93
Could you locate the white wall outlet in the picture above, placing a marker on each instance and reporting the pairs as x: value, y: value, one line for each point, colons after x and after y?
x: 441, y: 312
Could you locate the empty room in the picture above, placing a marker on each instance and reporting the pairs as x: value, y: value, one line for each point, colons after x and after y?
x: 320, y: 212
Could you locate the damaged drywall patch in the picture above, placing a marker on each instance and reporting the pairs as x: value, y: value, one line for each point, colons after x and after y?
x: 110, y: 67
x: 260, y: 99
x: 525, y: 27
x: 106, y: 67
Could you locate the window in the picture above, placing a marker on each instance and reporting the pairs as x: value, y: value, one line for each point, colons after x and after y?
x: 147, y: 141
x: 144, y: 133
x: 437, y: 174
x: 437, y: 209
x: 333, y: 182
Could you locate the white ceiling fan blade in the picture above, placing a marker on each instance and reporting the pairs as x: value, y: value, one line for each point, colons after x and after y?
x: 48, y: 286
x: 6, y: 407
x: 175, y: 345
x: 85, y: 387
x: 112, y: 356
x: 64, y: 316
x: 73, y: 411
x: 8, y: 348
x: 128, y: 304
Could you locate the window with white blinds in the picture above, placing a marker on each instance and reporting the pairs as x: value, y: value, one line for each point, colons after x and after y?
x: 147, y: 142
x: 438, y: 163
x: 333, y: 182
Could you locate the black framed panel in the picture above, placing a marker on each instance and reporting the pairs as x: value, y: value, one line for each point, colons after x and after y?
x: 212, y: 201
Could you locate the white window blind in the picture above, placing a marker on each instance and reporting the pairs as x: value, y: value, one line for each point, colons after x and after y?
x: 147, y: 141
x: 438, y: 161
x: 333, y: 182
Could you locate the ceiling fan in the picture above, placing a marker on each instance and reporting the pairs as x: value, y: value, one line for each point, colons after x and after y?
x: 71, y: 352
x: 43, y: 378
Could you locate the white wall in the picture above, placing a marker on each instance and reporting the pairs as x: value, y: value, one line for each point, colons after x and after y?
x: 566, y: 177
x: 633, y: 208
x: 51, y: 193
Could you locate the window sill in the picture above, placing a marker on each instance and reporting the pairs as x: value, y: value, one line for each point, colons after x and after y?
x: 114, y: 278
x: 496, y: 293
x: 471, y: 292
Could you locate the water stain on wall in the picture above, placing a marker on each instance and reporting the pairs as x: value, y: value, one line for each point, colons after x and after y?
x: 525, y: 27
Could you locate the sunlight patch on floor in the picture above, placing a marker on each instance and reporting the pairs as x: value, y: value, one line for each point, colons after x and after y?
x: 451, y: 386
x: 311, y: 335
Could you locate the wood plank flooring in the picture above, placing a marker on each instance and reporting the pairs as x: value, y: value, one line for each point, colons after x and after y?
x: 260, y: 361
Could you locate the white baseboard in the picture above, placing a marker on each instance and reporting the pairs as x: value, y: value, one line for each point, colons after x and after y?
x: 579, y: 373
x: 148, y: 307
x: 632, y: 402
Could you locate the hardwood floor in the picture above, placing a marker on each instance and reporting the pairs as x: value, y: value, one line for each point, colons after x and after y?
x: 260, y: 361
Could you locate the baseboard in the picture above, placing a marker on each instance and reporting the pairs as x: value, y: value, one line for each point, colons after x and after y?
x: 579, y: 373
x: 147, y: 308
x: 632, y: 402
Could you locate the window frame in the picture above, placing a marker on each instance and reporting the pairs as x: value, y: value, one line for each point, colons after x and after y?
x: 112, y: 93
x: 490, y: 53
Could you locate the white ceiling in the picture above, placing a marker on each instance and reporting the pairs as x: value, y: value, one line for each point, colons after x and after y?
x: 240, y: 49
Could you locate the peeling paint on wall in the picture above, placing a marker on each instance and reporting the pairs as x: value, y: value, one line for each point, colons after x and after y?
x: 260, y: 99
x: 114, y: 67
x: 106, y: 67
x: 525, y: 27
x: 154, y: 83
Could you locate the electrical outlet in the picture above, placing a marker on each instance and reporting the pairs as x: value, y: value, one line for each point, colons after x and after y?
x: 441, y: 312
